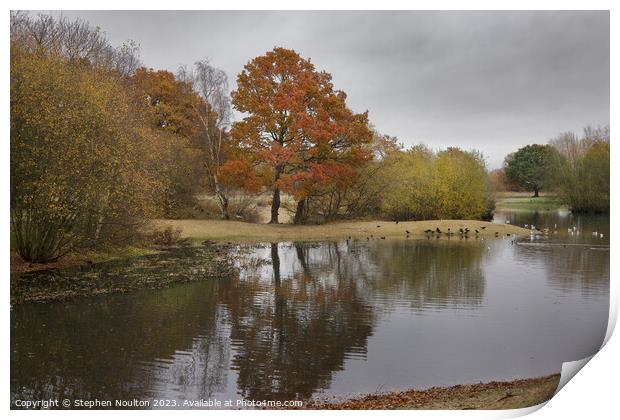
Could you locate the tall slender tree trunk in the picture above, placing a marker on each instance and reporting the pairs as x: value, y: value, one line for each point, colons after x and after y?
x: 223, y: 204
x: 222, y: 199
x: 275, y: 203
x: 535, y: 191
x: 300, y: 212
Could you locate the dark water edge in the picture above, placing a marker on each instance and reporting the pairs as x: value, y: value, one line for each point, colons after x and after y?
x: 168, y: 267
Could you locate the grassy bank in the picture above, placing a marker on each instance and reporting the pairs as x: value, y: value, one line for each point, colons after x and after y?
x: 221, y: 230
x: 520, y: 201
x: 488, y: 396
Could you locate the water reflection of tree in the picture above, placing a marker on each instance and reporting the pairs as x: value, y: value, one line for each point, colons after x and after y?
x: 288, y: 329
x: 432, y: 274
x: 301, y: 327
x: 422, y: 274
x: 94, y: 349
x: 540, y: 219
x: 289, y: 343
x: 569, y: 267
x: 199, y: 370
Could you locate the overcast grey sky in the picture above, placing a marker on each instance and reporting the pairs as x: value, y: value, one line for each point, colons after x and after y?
x: 493, y: 81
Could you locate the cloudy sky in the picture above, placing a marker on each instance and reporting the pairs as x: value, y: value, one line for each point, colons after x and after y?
x: 492, y: 81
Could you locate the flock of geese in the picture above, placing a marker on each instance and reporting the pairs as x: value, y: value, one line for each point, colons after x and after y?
x: 463, y: 233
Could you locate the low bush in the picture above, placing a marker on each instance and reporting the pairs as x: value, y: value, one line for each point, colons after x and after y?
x: 167, y: 236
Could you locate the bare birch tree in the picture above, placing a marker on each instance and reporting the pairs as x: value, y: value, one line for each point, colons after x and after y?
x: 212, y: 85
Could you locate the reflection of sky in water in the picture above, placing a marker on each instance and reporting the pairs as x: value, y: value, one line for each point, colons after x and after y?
x: 339, y: 319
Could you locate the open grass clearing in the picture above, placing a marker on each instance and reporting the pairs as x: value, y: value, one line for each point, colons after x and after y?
x: 221, y: 230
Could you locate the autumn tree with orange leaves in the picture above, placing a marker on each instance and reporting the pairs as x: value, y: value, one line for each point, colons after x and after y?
x: 173, y: 105
x: 297, y: 132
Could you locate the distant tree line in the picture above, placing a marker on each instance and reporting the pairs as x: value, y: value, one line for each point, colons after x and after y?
x: 582, y: 173
x: 575, y: 168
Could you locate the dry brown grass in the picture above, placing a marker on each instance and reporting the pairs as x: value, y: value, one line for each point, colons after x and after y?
x: 253, y: 232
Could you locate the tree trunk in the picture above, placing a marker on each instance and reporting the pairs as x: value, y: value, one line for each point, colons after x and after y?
x: 535, y: 191
x: 275, y: 206
x: 300, y: 212
x: 223, y: 204
x: 275, y: 203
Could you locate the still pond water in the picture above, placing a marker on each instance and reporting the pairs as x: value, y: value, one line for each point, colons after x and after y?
x: 331, y: 319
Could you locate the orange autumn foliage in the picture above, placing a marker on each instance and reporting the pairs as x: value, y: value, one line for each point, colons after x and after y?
x: 172, y: 104
x: 238, y: 173
x: 297, y: 125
